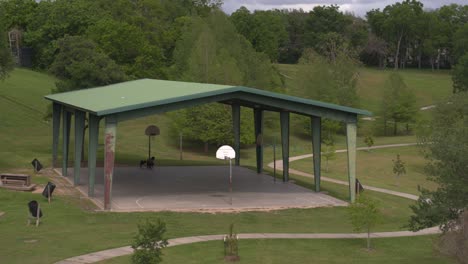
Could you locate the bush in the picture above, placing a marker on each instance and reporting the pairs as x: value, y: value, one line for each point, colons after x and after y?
x: 148, y: 242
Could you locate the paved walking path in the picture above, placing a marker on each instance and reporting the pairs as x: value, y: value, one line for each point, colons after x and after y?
x: 117, y: 252
x: 279, y: 166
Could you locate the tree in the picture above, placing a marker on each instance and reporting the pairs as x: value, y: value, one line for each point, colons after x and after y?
x: 454, y: 243
x: 369, y: 141
x: 148, y: 242
x: 447, y: 152
x: 364, y: 214
x: 399, y: 105
x: 323, y: 20
x: 398, y: 168
x: 329, y: 152
x: 266, y: 30
x: 460, y: 75
x: 210, y: 51
x: 78, y: 65
x: 395, y: 23
x: 6, y: 61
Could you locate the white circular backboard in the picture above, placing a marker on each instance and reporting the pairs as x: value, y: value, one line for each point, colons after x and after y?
x: 225, y: 152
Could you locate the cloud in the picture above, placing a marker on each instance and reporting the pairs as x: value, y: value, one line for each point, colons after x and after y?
x: 358, y: 7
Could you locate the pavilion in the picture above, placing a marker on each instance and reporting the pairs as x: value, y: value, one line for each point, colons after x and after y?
x: 133, y: 99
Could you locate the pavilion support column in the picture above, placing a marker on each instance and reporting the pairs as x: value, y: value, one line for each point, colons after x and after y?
x: 284, y: 119
x: 236, y: 128
x: 316, y: 149
x: 92, y: 151
x: 56, y: 114
x: 79, y: 132
x: 351, y: 145
x: 109, y: 157
x: 66, y: 140
x: 258, y: 120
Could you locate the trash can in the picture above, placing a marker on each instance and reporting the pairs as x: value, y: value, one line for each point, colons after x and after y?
x: 49, y: 189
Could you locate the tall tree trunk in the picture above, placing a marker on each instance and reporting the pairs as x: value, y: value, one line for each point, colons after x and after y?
x: 432, y: 63
x: 438, y: 59
x: 419, y: 58
x: 397, y: 53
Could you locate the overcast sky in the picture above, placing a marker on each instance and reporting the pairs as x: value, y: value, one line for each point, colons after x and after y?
x: 358, y: 7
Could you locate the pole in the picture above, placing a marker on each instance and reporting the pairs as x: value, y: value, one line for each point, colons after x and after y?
x: 180, y: 145
x: 149, y: 147
x: 230, y: 181
x: 274, y: 160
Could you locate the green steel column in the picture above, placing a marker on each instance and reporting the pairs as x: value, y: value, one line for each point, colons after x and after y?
x: 66, y: 140
x: 284, y: 119
x: 92, y: 151
x: 258, y: 120
x: 56, y: 113
x: 79, y: 132
x: 351, y: 144
x: 236, y: 128
x: 109, y: 157
x: 316, y: 149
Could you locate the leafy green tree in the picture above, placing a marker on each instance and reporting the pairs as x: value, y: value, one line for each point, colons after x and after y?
x: 210, y: 51
x: 323, y: 20
x: 6, y: 61
x: 396, y: 23
x: 460, y: 75
x: 78, y: 65
x: 399, y: 105
x: 149, y: 242
x: 364, y: 214
x: 266, y: 30
x: 454, y: 243
x: 329, y: 80
x: 399, y: 168
x: 460, y: 41
x: 446, y: 151
x: 369, y: 141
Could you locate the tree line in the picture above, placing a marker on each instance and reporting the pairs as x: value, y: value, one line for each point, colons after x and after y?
x: 403, y: 34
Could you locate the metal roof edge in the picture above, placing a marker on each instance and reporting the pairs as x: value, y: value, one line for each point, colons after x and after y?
x: 306, y: 101
x: 226, y: 90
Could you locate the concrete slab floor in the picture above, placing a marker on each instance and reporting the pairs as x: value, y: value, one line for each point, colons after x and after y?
x: 200, y: 188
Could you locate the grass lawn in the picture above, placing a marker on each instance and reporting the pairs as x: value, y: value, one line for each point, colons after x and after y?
x: 387, y: 250
x: 26, y: 136
x: 68, y: 230
x: 375, y: 168
x: 428, y: 86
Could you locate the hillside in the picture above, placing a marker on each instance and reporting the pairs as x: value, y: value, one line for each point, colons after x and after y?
x: 25, y: 135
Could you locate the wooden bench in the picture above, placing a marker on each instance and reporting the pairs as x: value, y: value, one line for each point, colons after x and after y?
x: 20, y: 182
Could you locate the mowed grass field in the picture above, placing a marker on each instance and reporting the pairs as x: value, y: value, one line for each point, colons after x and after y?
x: 406, y: 250
x: 375, y: 168
x: 25, y: 135
x: 428, y: 86
x: 67, y: 230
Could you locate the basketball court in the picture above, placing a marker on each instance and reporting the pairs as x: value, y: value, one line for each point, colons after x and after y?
x: 200, y: 188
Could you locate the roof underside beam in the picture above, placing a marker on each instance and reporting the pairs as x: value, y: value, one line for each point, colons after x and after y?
x: 246, y: 100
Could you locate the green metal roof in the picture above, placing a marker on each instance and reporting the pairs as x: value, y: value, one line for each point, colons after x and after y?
x: 138, y: 94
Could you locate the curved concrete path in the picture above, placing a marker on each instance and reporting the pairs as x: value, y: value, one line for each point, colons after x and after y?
x: 279, y: 166
x: 127, y: 250
x: 117, y: 252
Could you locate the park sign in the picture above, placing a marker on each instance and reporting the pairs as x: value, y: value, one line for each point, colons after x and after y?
x: 225, y: 152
